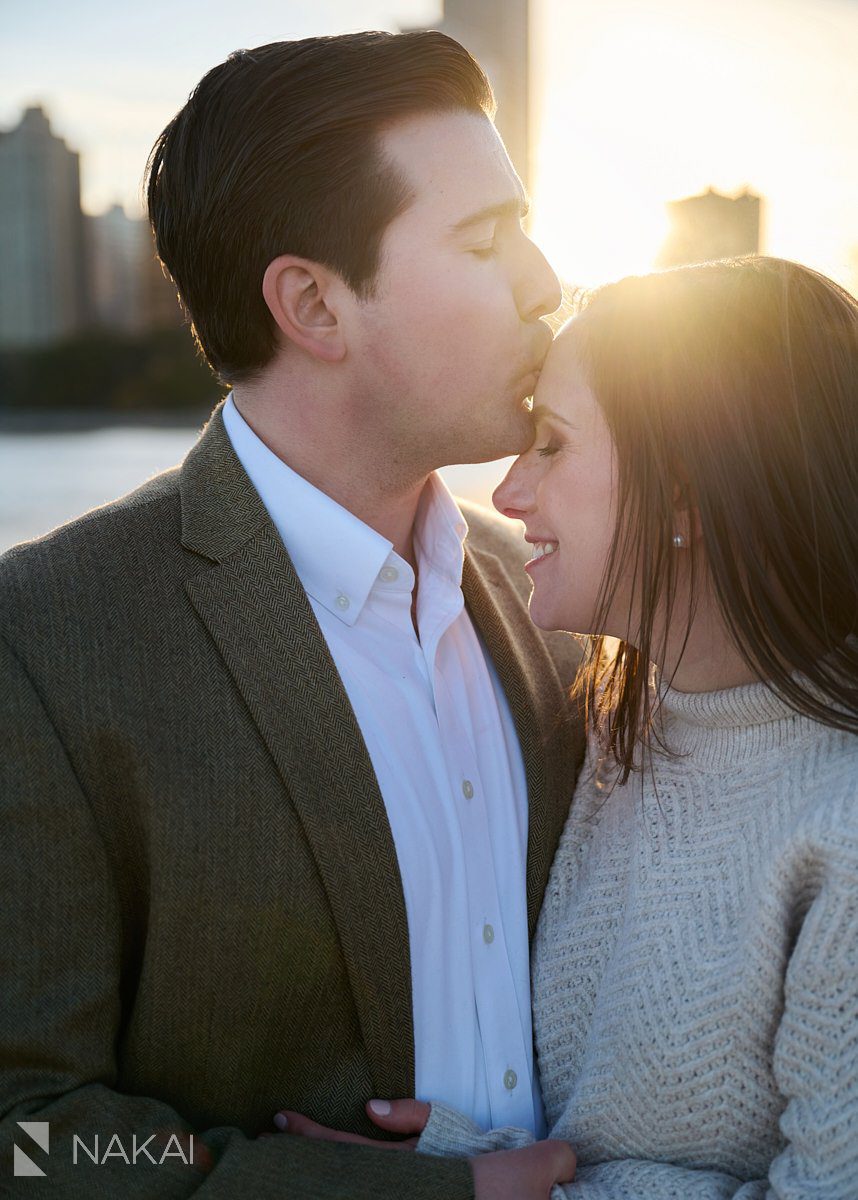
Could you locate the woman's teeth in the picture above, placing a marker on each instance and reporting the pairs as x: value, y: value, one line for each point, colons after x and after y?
x: 540, y: 549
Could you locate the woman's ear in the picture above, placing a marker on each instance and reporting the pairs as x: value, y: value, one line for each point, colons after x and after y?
x: 302, y: 298
x: 686, y: 517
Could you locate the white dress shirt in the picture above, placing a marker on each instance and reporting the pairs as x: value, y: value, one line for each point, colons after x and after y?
x: 443, y: 745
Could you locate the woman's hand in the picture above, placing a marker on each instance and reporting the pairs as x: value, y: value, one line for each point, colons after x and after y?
x: 528, y: 1173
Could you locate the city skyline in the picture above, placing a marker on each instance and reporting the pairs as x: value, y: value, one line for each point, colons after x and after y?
x: 66, y: 272
x: 633, y: 109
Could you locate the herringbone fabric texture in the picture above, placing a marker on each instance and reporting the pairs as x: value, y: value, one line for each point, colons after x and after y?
x: 202, y: 916
x: 696, y: 967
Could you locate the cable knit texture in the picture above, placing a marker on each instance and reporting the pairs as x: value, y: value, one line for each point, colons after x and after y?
x: 695, y: 969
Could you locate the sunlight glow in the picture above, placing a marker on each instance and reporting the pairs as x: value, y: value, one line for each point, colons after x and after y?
x: 642, y: 104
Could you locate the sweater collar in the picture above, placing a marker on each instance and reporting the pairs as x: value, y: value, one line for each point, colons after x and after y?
x: 724, y: 728
x: 749, y: 704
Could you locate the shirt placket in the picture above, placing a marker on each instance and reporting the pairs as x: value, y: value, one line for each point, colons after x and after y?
x: 499, y: 1019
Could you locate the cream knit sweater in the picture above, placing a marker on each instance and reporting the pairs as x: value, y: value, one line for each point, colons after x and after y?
x: 695, y: 968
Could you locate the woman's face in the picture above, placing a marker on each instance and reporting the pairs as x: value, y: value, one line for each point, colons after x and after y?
x: 564, y: 490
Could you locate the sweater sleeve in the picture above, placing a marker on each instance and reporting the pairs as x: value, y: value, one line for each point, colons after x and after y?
x: 816, y: 1048
x: 815, y: 1065
x: 450, y: 1133
x: 624, y: 1179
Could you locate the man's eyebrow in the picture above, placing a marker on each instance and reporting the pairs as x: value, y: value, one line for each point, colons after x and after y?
x: 519, y: 207
x: 539, y: 412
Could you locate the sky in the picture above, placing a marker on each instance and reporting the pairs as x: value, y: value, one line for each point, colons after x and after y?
x: 637, y: 102
x: 649, y: 101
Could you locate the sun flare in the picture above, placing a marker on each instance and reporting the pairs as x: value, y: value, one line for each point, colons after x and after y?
x: 638, y: 105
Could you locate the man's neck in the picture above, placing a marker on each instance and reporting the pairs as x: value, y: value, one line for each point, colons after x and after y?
x: 390, y: 515
x: 333, y: 465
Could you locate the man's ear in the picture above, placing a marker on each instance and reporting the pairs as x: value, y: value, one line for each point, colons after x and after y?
x: 302, y: 298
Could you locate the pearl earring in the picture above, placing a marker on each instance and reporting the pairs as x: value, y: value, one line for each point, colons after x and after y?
x: 678, y: 540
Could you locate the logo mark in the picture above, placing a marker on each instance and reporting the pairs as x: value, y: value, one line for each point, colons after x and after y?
x: 39, y: 1132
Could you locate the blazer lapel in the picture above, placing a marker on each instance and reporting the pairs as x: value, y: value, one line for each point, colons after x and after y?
x: 258, y: 615
x: 549, y: 734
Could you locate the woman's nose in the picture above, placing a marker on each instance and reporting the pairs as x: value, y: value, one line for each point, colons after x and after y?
x: 514, y: 494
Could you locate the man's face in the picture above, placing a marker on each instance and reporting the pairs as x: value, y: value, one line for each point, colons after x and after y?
x: 448, y: 347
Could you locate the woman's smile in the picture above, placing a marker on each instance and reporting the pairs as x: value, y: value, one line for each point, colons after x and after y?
x: 543, y: 549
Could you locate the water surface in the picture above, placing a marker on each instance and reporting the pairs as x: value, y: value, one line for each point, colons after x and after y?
x: 48, y: 478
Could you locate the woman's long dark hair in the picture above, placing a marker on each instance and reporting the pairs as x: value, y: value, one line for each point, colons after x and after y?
x: 735, y: 386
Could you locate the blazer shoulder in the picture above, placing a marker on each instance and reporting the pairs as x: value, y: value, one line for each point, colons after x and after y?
x: 146, y: 504
x: 109, y: 548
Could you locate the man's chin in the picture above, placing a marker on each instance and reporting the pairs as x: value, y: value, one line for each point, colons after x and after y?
x: 513, y: 440
x: 498, y: 453
x: 503, y: 441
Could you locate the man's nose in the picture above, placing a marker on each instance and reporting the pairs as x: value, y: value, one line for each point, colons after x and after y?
x: 540, y: 292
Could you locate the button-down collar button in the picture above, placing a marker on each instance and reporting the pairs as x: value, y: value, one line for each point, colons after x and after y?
x: 389, y: 574
x: 343, y: 602
x: 488, y: 934
x: 510, y: 1079
x: 467, y: 789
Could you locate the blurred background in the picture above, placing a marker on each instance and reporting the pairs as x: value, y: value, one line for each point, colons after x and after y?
x: 648, y: 133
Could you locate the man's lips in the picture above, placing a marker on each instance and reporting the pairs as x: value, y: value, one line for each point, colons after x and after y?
x: 528, y: 383
x: 536, y: 360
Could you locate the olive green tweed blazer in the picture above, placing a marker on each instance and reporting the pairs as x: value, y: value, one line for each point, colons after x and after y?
x: 201, y: 914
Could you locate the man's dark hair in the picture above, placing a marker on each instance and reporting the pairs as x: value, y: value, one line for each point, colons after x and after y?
x: 277, y: 152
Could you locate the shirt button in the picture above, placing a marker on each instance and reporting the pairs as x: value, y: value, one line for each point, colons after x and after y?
x: 488, y: 934
x: 510, y: 1079
x: 342, y: 601
x: 389, y: 574
x: 467, y: 789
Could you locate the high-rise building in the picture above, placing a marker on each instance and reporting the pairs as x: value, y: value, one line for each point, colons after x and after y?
x: 43, y: 265
x: 117, y: 244
x: 497, y: 34
x: 711, y: 226
x: 129, y: 290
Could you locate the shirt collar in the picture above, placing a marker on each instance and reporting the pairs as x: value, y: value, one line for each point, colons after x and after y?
x: 337, y: 557
x: 440, y: 531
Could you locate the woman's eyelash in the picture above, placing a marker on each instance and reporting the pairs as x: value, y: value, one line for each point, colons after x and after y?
x: 485, y: 251
x: 547, y: 450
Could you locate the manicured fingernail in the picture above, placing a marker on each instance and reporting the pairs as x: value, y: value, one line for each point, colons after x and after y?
x: 281, y: 1121
x: 381, y: 1108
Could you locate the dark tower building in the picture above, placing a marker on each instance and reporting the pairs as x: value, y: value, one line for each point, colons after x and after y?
x: 711, y: 226
x: 497, y: 34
